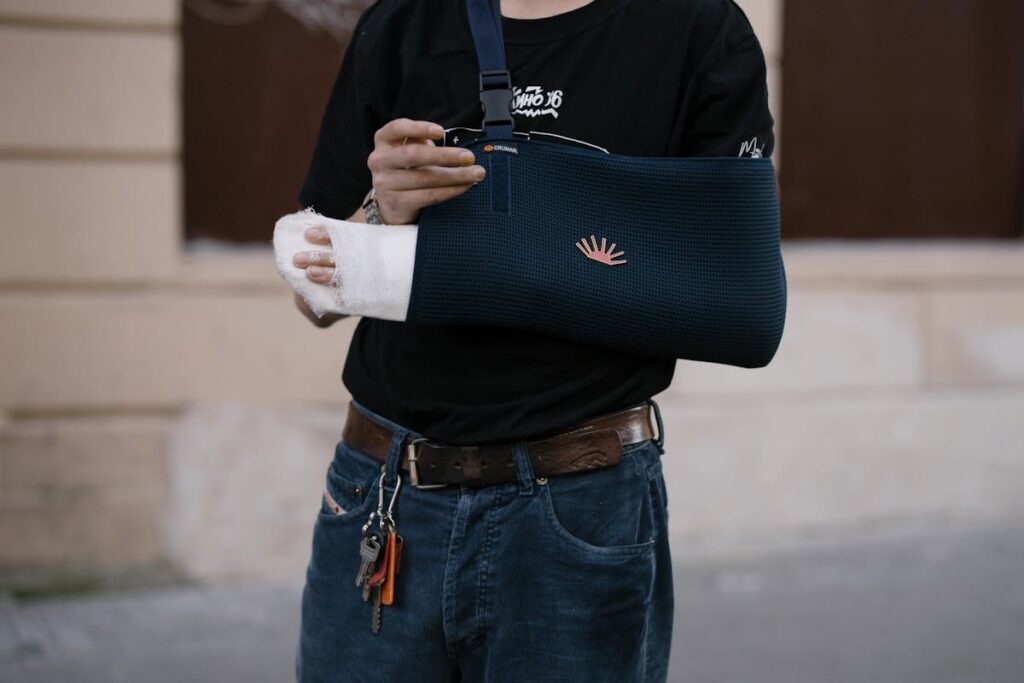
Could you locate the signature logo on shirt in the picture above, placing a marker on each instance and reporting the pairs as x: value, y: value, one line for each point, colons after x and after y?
x: 750, y: 147
x: 604, y: 254
x: 534, y: 101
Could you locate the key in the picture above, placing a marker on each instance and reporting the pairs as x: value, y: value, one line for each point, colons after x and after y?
x: 387, y: 596
x: 375, y: 610
x: 369, y: 549
x: 376, y: 573
x: 380, y: 540
x: 381, y: 573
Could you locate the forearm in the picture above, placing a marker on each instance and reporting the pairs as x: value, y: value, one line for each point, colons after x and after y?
x: 699, y: 306
x: 696, y: 272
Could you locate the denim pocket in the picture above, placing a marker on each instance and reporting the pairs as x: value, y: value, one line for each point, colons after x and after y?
x: 349, y: 485
x: 605, y: 512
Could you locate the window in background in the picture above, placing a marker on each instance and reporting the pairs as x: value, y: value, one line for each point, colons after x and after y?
x: 257, y: 74
x: 903, y: 119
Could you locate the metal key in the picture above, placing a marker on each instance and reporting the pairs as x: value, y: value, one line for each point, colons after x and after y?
x: 369, y: 550
x: 375, y: 610
x: 382, y: 567
x: 368, y: 584
x: 379, y: 574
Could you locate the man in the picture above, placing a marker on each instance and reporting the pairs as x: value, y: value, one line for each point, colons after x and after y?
x: 526, y: 577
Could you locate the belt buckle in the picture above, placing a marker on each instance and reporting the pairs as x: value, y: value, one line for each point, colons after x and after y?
x: 414, y: 473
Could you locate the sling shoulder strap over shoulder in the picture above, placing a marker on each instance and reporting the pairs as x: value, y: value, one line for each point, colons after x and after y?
x: 495, y: 81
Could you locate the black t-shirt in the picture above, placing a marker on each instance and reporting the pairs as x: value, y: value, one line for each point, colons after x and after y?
x: 640, y: 77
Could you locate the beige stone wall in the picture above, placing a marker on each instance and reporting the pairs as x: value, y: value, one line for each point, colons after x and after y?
x: 161, y: 406
x: 895, y: 399
x: 111, y: 329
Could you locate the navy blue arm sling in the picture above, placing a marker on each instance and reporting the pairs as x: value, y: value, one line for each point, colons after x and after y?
x: 695, y: 272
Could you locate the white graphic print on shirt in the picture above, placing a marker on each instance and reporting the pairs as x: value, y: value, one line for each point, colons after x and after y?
x: 534, y: 101
x: 750, y: 147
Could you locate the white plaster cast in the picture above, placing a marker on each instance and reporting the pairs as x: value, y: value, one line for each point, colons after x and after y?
x: 373, y: 265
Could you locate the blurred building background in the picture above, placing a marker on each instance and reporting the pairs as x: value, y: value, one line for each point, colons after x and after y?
x: 167, y: 415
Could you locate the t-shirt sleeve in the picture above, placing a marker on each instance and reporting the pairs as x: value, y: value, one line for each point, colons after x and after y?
x: 725, y: 105
x: 338, y: 178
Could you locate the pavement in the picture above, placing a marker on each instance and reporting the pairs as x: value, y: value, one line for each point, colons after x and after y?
x: 918, y: 606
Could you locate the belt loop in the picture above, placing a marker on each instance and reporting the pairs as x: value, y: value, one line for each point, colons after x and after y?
x: 524, y: 469
x: 660, y: 443
x: 394, y: 455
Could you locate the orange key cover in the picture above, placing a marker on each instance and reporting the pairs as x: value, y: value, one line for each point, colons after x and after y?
x: 387, y: 591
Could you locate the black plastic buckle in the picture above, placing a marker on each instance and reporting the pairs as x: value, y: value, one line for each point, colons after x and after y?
x: 496, y: 97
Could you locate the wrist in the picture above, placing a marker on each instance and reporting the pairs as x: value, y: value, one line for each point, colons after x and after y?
x: 372, y: 209
x: 377, y: 214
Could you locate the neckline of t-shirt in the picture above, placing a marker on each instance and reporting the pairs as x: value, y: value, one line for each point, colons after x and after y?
x: 524, y: 31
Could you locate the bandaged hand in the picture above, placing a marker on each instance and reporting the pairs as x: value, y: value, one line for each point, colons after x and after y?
x: 319, y: 265
x: 367, y: 270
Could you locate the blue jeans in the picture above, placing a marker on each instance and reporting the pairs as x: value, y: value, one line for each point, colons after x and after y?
x: 564, y: 579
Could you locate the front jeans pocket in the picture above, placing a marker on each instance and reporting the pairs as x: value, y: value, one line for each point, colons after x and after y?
x: 605, y: 512
x: 350, y: 485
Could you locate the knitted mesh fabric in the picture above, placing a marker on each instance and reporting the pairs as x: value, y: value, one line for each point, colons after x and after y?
x: 703, y: 279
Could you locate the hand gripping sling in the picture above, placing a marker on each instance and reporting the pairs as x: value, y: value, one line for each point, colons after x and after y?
x: 660, y: 256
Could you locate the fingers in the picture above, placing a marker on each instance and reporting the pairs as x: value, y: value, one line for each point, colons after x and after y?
x: 395, y: 132
x: 304, y: 259
x: 383, y: 159
x: 410, y: 171
x: 318, y: 235
x: 320, y: 274
x: 319, y: 265
x: 438, y: 176
x: 417, y: 141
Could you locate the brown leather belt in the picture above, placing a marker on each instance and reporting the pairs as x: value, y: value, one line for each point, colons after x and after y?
x: 592, y: 445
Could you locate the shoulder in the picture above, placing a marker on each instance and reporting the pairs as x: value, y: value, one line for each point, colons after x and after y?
x: 390, y: 16
x: 394, y: 26
x: 701, y: 15
x: 380, y: 18
x: 723, y: 20
x: 705, y: 27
